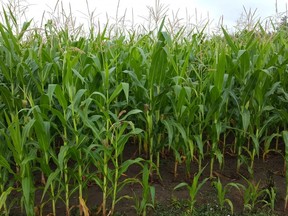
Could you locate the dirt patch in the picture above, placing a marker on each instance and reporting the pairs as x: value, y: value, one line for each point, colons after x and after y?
x: 264, y: 172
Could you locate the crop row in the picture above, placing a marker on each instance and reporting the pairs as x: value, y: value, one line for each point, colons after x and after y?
x: 70, y: 106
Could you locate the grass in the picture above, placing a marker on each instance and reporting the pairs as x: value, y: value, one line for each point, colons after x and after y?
x: 182, y: 208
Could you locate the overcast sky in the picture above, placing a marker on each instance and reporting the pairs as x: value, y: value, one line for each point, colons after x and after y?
x: 195, y: 10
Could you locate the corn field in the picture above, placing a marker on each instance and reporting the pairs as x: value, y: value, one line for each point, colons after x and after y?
x: 71, y: 105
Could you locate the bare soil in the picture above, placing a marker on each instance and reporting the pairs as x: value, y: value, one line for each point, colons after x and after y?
x: 264, y: 170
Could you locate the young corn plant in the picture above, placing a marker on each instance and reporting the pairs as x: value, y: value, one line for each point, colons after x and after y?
x: 148, y: 194
x: 216, y: 97
x: 111, y: 136
x: 118, y: 141
x: 79, y: 139
x: 270, y: 198
x: 113, y: 153
x: 285, y: 138
x: 253, y: 195
x: 222, y: 192
x: 63, y: 156
x: 156, y: 76
x: 5, y: 170
x: 201, y: 90
x: 193, y: 189
x: 216, y: 128
x: 177, y: 136
x: 198, y: 128
x: 19, y: 142
x: 43, y: 137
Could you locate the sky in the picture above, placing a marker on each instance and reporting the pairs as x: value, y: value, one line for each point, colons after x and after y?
x: 136, y: 11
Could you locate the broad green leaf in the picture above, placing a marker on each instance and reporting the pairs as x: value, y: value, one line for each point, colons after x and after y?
x: 182, y: 184
x: 125, y: 87
x: 132, y: 112
x: 62, y: 157
x: 77, y: 74
x: 77, y: 98
x: 115, y: 93
x: 27, y: 130
x: 24, y: 29
x: 4, y: 163
x: 256, y: 144
x: 61, y: 97
x: 220, y: 69
x: 28, y: 158
x: 27, y: 188
x: 200, y: 144
x: 50, y: 91
x: 181, y: 130
x: 126, y: 164
x: 245, y: 119
x: 6, y: 97
x: 159, y: 63
x: 5, y: 194
x: 51, y: 178
x: 229, y: 40
x: 219, y: 155
x: 169, y: 129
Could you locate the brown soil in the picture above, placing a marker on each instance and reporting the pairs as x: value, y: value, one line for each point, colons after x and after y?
x: 274, y: 164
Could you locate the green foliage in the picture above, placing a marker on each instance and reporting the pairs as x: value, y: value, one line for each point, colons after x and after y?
x: 222, y: 192
x: 193, y: 189
x: 70, y: 103
x: 148, y: 195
